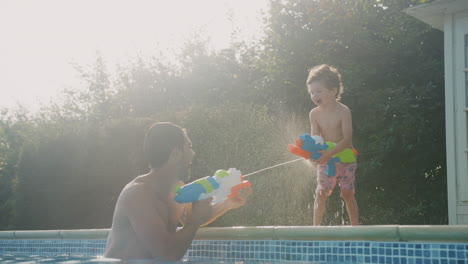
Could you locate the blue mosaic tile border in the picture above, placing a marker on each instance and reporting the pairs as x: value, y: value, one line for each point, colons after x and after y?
x: 51, y: 247
x: 331, y: 251
x: 268, y: 250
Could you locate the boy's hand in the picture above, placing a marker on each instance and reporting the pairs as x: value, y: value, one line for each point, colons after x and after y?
x: 326, y: 155
x: 240, y: 199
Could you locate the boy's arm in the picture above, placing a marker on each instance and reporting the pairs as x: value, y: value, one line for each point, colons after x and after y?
x: 314, y: 127
x: 347, y: 131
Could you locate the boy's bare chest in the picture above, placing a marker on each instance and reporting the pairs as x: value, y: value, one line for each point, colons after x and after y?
x: 329, y: 122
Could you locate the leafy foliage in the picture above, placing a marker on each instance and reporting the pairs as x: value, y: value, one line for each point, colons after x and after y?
x: 65, y: 166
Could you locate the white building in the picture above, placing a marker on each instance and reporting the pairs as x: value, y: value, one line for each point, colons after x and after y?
x: 451, y: 16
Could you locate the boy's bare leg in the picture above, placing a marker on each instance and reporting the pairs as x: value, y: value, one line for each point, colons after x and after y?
x: 351, y: 206
x: 319, y: 206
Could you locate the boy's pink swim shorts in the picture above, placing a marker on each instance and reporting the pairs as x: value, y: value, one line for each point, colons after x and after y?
x: 345, y: 176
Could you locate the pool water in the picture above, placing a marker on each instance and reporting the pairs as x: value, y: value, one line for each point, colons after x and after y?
x: 70, y: 251
x: 27, y: 259
x: 66, y: 259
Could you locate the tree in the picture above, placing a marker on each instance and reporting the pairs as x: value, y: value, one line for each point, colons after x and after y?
x: 392, y: 66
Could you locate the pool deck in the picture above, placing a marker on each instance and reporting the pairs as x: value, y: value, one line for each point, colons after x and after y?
x: 401, y: 233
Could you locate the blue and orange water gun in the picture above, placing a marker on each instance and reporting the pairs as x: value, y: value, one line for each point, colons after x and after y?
x: 221, y: 185
x: 308, y: 147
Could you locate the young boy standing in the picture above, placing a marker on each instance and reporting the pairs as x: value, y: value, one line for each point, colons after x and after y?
x: 332, y: 121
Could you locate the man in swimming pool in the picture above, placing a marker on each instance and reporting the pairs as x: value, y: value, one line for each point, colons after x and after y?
x: 146, y: 217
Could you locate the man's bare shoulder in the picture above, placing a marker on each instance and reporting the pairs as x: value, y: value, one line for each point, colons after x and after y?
x: 135, y: 191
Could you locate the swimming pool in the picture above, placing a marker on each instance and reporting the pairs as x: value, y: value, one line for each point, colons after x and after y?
x: 274, y: 244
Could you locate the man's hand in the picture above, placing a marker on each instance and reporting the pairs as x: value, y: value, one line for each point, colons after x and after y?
x: 326, y: 155
x: 172, y: 194
x: 201, y: 211
x: 240, y: 199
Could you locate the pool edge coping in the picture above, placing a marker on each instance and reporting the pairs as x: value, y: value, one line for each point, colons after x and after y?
x: 398, y: 233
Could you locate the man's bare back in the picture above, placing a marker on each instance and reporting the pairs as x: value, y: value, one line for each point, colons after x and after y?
x: 123, y: 242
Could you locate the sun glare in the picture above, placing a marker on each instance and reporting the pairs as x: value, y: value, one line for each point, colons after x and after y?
x: 41, y: 38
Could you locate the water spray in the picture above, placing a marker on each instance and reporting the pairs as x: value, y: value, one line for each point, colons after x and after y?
x: 220, y: 186
x: 274, y: 166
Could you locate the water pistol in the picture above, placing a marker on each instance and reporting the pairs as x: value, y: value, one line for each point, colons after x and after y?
x: 221, y: 185
x: 308, y: 147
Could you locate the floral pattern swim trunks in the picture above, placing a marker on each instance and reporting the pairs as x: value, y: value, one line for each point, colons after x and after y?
x: 345, y: 176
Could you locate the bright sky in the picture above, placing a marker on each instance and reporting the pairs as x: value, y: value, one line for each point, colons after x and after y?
x: 40, y: 39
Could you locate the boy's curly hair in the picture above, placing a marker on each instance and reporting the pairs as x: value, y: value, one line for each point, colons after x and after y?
x: 328, y: 75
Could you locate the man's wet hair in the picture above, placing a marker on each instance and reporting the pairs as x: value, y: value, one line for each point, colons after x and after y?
x: 160, y: 140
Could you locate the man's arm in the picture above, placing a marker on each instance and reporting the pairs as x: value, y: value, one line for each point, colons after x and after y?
x: 152, y: 229
x: 221, y: 208
x: 228, y: 204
